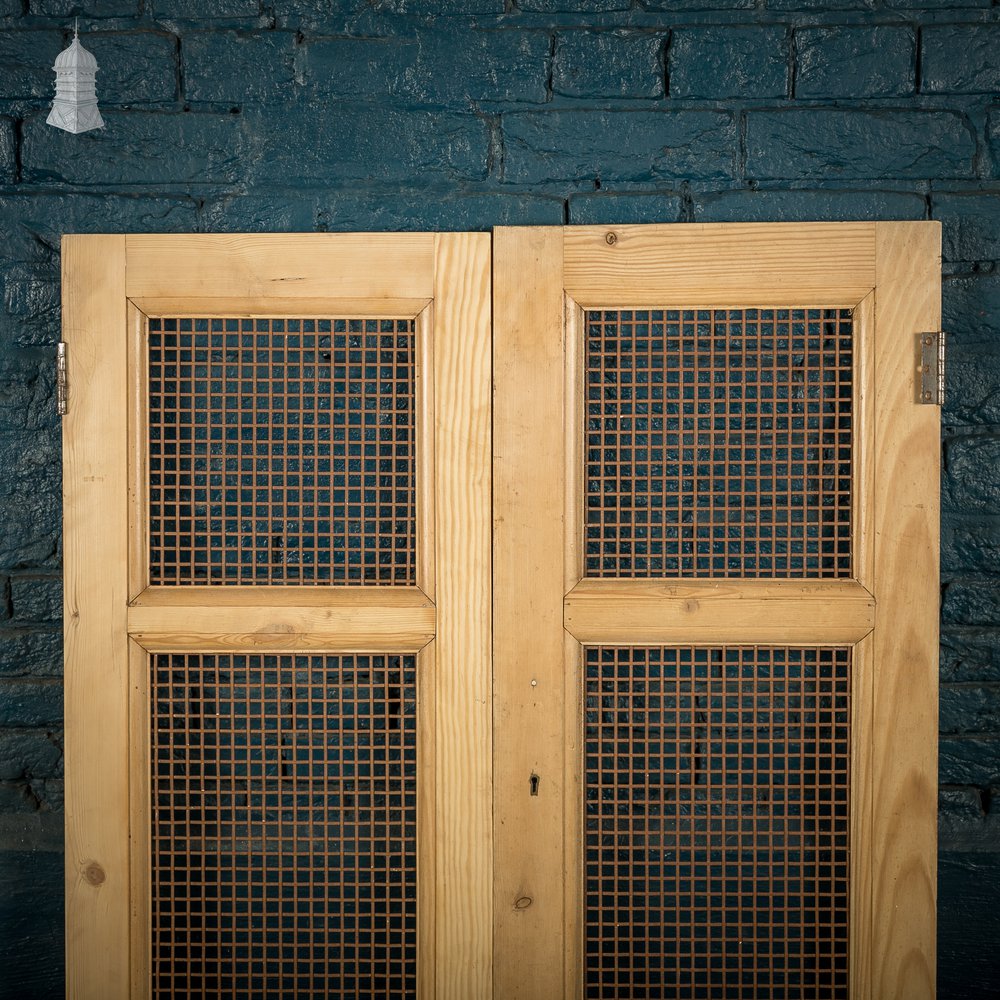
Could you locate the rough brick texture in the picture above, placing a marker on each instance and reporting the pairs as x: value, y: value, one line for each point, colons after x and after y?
x: 239, y: 115
x: 854, y: 62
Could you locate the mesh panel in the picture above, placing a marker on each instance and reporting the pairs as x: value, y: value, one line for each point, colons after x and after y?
x: 281, y: 451
x: 283, y: 826
x: 719, y: 443
x: 717, y: 823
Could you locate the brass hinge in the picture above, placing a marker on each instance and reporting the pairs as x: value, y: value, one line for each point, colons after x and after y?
x: 930, y: 368
x: 61, y: 384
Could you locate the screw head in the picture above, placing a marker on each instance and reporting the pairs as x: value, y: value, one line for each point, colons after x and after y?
x: 611, y: 239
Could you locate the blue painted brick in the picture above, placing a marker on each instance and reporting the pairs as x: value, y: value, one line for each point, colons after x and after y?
x: 573, y: 6
x: 970, y: 225
x: 368, y: 144
x: 27, y: 391
x: 993, y: 133
x: 136, y: 67
x: 969, y: 761
x: 728, y: 62
x: 970, y: 709
x: 810, y: 6
x: 30, y: 485
x: 855, y: 62
x: 971, y: 386
x: 85, y: 8
x: 442, y: 209
x: 608, y: 64
x: 26, y: 753
x: 237, y: 67
x: 836, y: 144
x: 960, y: 58
x: 31, y: 913
x: 936, y: 4
x: 970, y: 543
x: 970, y: 655
x: 970, y: 483
x: 30, y: 653
x: 672, y: 6
x: 30, y: 227
x: 806, y: 206
x: 260, y: 211
x: 611, y: 207
x: 200, y: 10
x: 971, y: 313
x: 11, y: 8
x: 31, y: 701
x: 579, y: 146
x: 482, y: 66
x: 36, y: 598
x: 26, y: 59
x: 140, y: 148
x: 8, y: 153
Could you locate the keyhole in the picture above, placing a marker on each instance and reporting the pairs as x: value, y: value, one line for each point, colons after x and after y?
x: 533, y: 782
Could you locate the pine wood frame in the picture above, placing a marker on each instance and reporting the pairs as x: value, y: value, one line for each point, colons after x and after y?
x: 114, y: 618
x: 500, y: 916
x: 545, y: 611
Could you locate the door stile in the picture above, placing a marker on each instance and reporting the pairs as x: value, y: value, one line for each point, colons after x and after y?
x: 95, y: 518
x: 907, y: 515
x: 528, y: 513
x: 463, y: 654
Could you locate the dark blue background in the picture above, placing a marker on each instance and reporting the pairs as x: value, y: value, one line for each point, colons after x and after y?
x: 398, y: 114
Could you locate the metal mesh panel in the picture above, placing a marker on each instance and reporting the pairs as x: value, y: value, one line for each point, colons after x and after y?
x: 281, y: 451
x: 283, y: 826
x: 717, y: 823
x: 719, y: 443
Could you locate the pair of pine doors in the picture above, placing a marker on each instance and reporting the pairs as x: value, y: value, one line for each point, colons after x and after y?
x: 537, y: 615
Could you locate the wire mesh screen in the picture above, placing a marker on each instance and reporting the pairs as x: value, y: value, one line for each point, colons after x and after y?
x: 281, y: 451
x: 283, y: 806
x: 717, y: 823
x: 719, y: 443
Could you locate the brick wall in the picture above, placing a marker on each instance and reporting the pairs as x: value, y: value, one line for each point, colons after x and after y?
x: 386, y: 114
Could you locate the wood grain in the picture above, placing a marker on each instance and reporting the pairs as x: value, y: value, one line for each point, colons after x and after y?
x: 462, y: 459
x: 648, y: 612
x: 261, y: 266
x: 861, y: 806
x: 907, y: 529
x: 288, y: 618
x: 863, y: 444
x: 140, y: 834
x: 95, y: 491
x: 528, y: 589
x: 819, y: 264
x: 278, y: 306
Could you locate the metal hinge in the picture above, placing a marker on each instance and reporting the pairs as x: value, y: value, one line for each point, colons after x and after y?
x: 930, y: 368
x: 61, y: 383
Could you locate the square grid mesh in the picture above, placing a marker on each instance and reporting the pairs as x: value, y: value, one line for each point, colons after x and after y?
x: 281, y: 451
x: 284, y: 807
x: 717, y: 823
x: 719, y: 443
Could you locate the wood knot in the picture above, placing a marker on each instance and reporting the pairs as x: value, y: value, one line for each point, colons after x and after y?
x: 94, y: 873
x: 522, y: 902
x: 611, y: 238
x: 690, y: 604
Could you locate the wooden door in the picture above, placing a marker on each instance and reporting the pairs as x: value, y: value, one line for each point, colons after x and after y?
x: 277, y: 489
x: 715, y: 519
x: 664, y: 725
